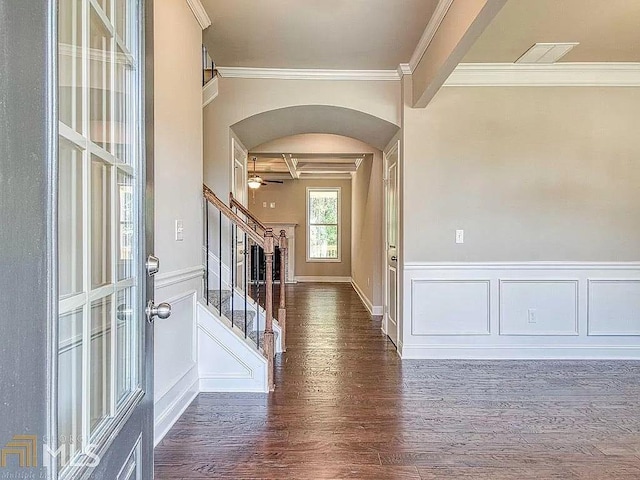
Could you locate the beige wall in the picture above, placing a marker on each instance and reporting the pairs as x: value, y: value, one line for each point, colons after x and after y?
x: 290, y: 199
x: 366, y: 208
x: 242, y: 98
x: 178, y: 135
x: 367, y: 239
x: 529, y: 173
x: 178, y: 186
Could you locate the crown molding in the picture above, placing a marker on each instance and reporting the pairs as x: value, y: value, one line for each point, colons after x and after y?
x: 307, y: 74
x: 429, y: 32
x: 540, y: 75
x: 404, y: 69
x: 200, y: 13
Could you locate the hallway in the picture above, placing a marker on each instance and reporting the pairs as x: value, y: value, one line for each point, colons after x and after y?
x: 346, y: 407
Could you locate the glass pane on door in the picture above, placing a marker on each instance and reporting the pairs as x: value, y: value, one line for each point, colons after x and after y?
x: 70, y: 350
x: 100, y: 362
x: 127, y: 341
x: 126, y: 226
x: 100, y: 76
x: 101, y: 222
x: 70, y: 220
x: 70, y: 64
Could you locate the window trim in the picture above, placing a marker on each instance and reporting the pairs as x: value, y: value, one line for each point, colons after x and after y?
x: 339, y: 225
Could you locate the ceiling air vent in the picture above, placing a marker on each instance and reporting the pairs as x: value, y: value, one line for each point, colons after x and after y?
x: 546, y: 52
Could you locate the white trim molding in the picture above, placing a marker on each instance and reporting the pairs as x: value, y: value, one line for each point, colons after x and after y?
x: 374, y: 310
x: 200, y: 13
x: 541, y: 75
x: 178, y: 276
x: 210, y: 91
x: 551, y: 352
x: 429, y: 32
x: 522, y: 266
x: 323, y: 279
x: 404, y: 69
x: 308, y: 74
x: 521, y: 310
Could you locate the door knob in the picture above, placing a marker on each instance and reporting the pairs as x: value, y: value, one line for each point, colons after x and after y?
x: 162, y: 311
x: 394, y: 258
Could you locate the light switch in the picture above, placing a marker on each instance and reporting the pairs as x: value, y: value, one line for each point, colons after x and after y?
x: 264, y: 204
x: 532, y: 316
x: 272, y: 205
x: 459, y: 236
x: 179, y: 231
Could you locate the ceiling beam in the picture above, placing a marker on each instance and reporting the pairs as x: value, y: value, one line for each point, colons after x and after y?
x: 291, y: 165
x: 314, y: 167
x: 463, y: 23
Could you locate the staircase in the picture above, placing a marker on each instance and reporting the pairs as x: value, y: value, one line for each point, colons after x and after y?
x: 239, y: 283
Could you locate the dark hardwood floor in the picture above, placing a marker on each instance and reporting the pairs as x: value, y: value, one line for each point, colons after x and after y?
x: 347, y: 407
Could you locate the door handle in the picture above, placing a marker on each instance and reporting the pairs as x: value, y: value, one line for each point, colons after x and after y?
x: 153, y: 265
x: 394, y: 258
x: 162, y: 311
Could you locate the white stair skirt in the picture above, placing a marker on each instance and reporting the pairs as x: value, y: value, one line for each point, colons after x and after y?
x: 226, y: 362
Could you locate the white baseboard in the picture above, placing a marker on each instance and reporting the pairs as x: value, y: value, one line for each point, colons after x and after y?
x: 373, y: 309
x: 323, y: 279
x: 172, y: 405
x: 551, y: 352
x: 230, y: 384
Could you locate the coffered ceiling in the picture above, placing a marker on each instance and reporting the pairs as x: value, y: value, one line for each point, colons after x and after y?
x: 315, y: 34
x: 289, y: 166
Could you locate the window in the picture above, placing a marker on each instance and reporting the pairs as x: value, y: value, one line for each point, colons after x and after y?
x: 323, y: 224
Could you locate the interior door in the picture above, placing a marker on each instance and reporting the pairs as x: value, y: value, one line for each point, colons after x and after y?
x: 239, y: 191
x: 102, y: 388
x: 391, y: 243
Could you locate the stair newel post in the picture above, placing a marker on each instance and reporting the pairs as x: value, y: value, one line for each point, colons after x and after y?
x: 282, y: 311
x: 269, y: 340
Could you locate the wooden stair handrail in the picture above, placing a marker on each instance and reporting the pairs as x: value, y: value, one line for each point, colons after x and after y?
x: 235, y: 203
x: 239, y: 222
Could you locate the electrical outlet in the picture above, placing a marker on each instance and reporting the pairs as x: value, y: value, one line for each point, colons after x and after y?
x: 179, y: 231
x: 459, y: 236
x: 532, y: 315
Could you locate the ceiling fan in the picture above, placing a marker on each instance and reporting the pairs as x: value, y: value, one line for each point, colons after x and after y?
x: 255, y: 181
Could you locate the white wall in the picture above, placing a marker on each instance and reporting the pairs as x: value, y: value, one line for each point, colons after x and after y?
x: 178, y: 186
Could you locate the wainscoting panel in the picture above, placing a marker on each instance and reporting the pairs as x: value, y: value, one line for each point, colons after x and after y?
x: 175, y: 352
x: 524, y: 310
x: 450, y: 307
x: 614, y: 307
x: 538, y: 307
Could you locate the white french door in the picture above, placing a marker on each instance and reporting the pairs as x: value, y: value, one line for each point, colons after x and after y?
x: 101, y: 327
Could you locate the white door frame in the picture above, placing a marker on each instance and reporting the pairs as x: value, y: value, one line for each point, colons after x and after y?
x: 393, y: 147
x: 239, y: 161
